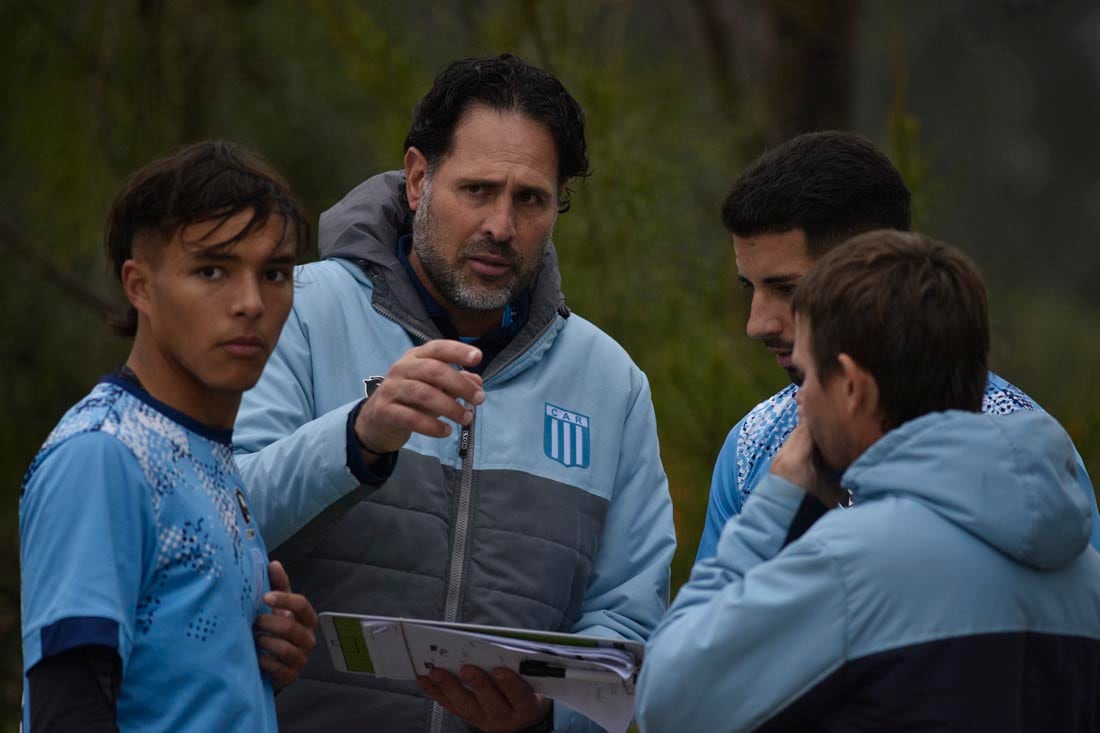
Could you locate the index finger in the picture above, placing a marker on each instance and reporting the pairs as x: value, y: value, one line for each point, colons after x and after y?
x: 452, y: 352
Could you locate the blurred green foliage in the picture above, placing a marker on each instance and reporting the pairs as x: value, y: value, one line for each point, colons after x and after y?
x: 324, y: 90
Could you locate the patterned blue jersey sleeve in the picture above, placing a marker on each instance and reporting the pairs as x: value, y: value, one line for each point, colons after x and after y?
x: 725, y: 499
x: 83, y: 526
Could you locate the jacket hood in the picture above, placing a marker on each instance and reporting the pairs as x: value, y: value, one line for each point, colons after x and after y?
x: 370, y: 218
x: 364, y: 227
x: 1010, y: 480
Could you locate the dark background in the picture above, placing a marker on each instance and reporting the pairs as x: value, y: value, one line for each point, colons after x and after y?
x: 988, y: 107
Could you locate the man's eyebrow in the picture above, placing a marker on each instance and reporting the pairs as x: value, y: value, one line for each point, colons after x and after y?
x: 529, y: 188
x: 214, y: 255
x: 496, y: 183
x: 478, y: 181
x: 282, y: 256
x: 782, y: 279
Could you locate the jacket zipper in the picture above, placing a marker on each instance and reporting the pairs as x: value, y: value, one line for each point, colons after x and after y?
x: 458, y: 550
x: 424, y: 338
x: 436, y: 725
x: 462, y: 521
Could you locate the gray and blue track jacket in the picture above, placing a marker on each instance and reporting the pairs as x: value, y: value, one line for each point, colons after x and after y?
x: 959, y: 593
x: 551, y: 511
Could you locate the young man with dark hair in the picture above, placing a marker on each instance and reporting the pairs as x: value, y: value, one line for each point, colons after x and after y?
x: 957, y: 592
x: 148, y: 600
x: 523, y: 488
x: 790, y: 207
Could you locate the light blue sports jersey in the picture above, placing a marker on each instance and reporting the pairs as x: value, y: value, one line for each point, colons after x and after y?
x: 135, y: 534
x: 746, y: 457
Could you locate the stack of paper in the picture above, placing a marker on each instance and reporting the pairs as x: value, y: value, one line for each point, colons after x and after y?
x: 593, y: 676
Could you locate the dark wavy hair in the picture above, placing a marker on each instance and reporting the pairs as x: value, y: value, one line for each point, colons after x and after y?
x: 207, y: 181
x: 505, y: 83
x: 831, y: 185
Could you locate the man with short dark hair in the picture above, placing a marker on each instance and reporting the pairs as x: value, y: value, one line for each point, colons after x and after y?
x: 787, y: 209
x: 957, y: 591
x: 505, y: 470
x: 144, y: 577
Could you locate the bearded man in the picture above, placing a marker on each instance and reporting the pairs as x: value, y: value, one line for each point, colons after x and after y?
x: 437, y: 436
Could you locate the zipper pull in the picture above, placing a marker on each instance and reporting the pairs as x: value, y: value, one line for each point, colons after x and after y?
x: 464, y: 436
x: 464, y: 441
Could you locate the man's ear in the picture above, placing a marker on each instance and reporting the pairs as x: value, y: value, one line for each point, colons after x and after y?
x: 860, y: 388
x: 416, y: 176
x: 137, y: 278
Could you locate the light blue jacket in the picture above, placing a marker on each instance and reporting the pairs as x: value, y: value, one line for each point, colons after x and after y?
x: 750, y: 446
x: 958, y: 593
x: 551, y: 512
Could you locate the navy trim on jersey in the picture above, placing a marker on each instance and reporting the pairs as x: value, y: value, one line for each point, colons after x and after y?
x: 217, y: 435
x: 69, y: 633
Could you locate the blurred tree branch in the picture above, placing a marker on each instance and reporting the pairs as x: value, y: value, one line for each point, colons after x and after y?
x: 793, y: 59
x: 538, y: 35
x: 719, y: 55
x: 55, y: 272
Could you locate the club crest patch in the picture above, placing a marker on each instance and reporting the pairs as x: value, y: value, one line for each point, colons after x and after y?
x: 566, y: 437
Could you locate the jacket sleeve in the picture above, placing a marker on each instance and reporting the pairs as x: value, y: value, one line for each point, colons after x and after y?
x: 293, y: 461
x: 752, y: 631
x: 725, y: 499
x: 628, y: 591
x: 1085, y: 483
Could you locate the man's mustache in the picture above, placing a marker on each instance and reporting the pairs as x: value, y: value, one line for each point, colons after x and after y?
x: 777, y: 344
x: 494, y: 248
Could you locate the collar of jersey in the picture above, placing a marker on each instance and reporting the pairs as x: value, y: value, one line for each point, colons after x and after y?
x: 217, y: 435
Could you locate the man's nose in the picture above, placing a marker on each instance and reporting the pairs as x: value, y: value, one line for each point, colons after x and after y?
x: 248, y: 300
x: 500, y: 224
x: 765, y: 320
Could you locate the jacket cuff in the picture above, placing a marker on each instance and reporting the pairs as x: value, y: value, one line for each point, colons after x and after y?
x: 382, y: 469
x: 546, y: 725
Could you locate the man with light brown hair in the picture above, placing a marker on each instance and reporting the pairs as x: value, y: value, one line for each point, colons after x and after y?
x: 957, y: 590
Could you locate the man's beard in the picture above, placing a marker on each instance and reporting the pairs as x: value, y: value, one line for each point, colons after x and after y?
x: 459, y: 287
x: 795, y: 375
x: 829, y: 489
